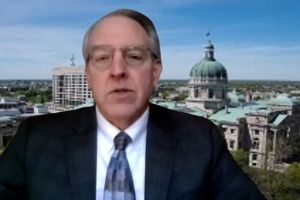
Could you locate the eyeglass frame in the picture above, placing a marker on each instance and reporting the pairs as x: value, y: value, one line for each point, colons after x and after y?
x: 123, y: 51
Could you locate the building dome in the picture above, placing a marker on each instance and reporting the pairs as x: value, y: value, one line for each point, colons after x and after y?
x: 208, y: 67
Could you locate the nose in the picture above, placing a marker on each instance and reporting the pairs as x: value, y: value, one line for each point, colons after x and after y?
x: 118, y: 66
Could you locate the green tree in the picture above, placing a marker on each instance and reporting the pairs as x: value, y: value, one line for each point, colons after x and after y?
x: 274, y: 184
x: 241, y: 157
x: 293, y: 176
x: 181, y: 97
x: 42, y: 99
x: 4, y: 93
x: 294, y: 173
x: 165, y: 95
x: 295, y: 145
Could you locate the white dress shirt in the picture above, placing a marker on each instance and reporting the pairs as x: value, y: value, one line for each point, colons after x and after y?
x: 135, y: 152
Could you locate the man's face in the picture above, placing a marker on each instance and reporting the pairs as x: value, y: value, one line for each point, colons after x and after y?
x: 121, y: 82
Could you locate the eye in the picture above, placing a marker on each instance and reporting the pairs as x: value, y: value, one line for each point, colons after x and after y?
x: 101, y: 58
x: 134, y: 56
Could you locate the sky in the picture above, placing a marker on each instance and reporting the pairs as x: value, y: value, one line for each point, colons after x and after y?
x: 254, y: 40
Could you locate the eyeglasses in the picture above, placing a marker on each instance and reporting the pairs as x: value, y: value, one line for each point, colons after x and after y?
x: 134, y: 56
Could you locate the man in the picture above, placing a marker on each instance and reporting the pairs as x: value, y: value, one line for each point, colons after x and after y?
x: 170, y: 155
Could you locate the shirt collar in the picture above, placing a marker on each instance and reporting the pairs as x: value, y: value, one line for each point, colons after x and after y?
x: 136, y: 130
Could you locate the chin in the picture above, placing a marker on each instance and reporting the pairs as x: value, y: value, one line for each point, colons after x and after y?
x: 125, y: 112
x: 121, y: 109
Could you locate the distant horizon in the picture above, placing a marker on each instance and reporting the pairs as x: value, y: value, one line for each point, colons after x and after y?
x: 253, y: 40
x: 254, y: 80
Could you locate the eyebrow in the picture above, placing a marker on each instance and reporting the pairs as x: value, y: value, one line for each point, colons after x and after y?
x: 94, y: 48
x: 103, y: 46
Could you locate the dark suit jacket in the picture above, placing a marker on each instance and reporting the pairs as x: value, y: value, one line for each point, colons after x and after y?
x: 53, y: 157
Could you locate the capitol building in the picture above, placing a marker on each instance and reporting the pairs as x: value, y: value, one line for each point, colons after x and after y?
x: 261, y: 128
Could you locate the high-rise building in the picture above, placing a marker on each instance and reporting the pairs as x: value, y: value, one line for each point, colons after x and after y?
x: 70, y: 87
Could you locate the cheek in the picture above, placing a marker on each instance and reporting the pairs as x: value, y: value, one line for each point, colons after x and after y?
x: 89, y: 76
x: 97, y: 84
x: 94, y: 78
x: 145, y: 83
x: 92, y: 81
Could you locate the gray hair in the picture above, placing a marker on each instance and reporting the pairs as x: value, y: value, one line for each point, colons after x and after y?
x: 140, y: 18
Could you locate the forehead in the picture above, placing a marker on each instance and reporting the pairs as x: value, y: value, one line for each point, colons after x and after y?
x: 118, y: 31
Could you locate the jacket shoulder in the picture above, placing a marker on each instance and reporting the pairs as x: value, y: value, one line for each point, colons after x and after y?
x: 58, y: 124
x: 61, y: 117
x: 178, y: 119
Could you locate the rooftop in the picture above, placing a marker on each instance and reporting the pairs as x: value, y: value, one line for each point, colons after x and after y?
x: 280, y: 118
x: 284, y: 100
x: 232, y: 115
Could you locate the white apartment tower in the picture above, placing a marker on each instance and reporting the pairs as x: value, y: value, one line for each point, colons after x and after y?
x: 70, y: 87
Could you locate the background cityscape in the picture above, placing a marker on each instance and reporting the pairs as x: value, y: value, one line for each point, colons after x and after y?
x: 233, y: 62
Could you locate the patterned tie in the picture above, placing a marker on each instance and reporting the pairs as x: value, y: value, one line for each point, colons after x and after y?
x: 118, y: 182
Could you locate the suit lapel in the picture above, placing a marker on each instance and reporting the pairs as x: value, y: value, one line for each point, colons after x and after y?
x: 81, y: 146
x: 160, y: 156
x: 81, y: 155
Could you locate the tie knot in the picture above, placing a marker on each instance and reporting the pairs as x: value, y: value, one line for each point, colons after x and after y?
x: 121, y: 141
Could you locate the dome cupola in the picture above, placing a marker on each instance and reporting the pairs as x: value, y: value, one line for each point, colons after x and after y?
x: 208, y: 67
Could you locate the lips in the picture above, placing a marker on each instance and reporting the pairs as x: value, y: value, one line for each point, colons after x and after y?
x: 121, y: 90
x: 122, y: 95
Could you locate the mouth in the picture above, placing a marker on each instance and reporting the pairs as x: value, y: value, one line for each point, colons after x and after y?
x: 122, y: 95
x: 121, y: 91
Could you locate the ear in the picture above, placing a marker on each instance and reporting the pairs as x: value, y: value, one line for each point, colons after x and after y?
x: 157, y: 69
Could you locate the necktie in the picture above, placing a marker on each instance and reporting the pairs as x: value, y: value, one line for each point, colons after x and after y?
x: 118, y: 182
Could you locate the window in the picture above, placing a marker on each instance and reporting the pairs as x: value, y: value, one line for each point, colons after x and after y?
x: 256, y: 143
x: 223, y: 94
x: 231, y: 144
x: 254, y: 157
x: 232, y: 130
x: 196, y: 93
x: 210, y: 93
x: 224, y: 130
x: 254, y: 160
x: 270, y: 140
x: 256, y: 132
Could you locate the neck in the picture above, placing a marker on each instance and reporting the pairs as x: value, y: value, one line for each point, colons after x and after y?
x: 122, y: 122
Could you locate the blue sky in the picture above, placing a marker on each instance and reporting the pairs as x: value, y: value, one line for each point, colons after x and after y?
x: 257, y: 39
